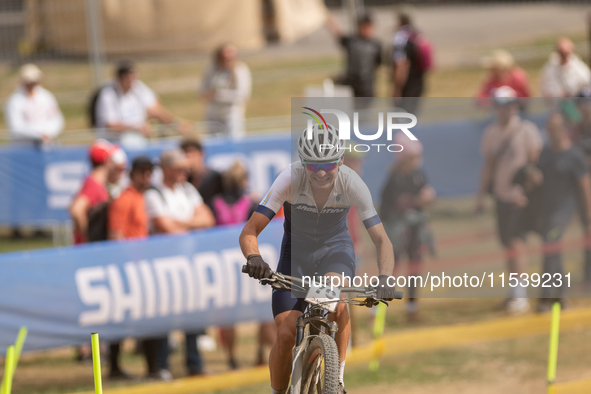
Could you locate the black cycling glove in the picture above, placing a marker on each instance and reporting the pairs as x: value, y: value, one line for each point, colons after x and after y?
x: 258, y: 268
x: 383, y: 291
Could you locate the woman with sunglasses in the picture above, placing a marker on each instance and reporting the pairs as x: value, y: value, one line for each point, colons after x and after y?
x: 316, y: 193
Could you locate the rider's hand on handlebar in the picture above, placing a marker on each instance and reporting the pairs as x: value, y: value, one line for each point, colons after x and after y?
x: 258, y: 268
x: 383, y: 291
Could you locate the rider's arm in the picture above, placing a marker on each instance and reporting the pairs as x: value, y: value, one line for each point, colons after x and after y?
x: 384, y: 249
x: 248, y: 237
x: 268, y: 207
x: 361, y: 198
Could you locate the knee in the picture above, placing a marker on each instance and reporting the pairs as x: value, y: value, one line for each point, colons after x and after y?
x: 285, y: 336
x: 342, y: 312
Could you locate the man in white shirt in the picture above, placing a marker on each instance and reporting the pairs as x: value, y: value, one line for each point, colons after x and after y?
x: 564, y: 74
x: 124, y: 107
x: 226, y: 88
x: 32, y: 113
x: 174, y: 207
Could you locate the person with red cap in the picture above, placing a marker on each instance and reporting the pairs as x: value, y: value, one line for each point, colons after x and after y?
x: 404, y: 198
x: 108, y: 163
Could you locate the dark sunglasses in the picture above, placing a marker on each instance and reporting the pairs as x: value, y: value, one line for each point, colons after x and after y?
x: 326, y: 166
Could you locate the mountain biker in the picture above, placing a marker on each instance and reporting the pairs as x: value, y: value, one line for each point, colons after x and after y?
x: 315, y: 242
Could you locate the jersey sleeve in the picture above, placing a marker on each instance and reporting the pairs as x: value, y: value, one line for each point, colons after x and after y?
x: 277, y: 195
x: 360, y: 198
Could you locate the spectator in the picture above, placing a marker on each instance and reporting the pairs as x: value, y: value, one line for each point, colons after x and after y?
x: 503, y: 72
x: 581, y: 135
x: 124, y: 107
x: 174, y: 207
x: 364, y: 55
x: 226, y: 88
x: 565, y: 178
x: 206, y: 180
x: 32, y: 113
x: 127, y: 219
x: 231, y: 207
x: 411, y: 57
x: 88, y: 210
x: 127, y: 214
x: 404, y: 198
x: 564, y: 74
x: 509, y: 144
x: 582, y: 139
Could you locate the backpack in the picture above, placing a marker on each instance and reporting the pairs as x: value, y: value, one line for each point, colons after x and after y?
x: 424, y: 59
x: 231, y: 213
x: 97, y: 222
x: 92, y: 104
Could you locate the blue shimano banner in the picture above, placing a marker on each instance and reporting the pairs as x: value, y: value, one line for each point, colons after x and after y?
x: 132, y: 288
x: 37, y: 186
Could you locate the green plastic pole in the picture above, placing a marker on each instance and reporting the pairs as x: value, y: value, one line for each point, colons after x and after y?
x: 553, y: 351
x: 96, y: 363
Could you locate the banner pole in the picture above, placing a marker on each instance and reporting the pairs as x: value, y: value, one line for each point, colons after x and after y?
x: 553, y: 349
x: 96, y: 363
x: 8, y: 370
x: 18, y: 346
x: 378, y: 332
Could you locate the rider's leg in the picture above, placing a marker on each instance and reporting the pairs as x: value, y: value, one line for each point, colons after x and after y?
x: 282, y: 351
x: 341, y: 316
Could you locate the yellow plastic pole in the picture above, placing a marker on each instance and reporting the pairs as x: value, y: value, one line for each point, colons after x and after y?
x: 96, y: 363
x: 8, y: 370
x: 18, y: 346
x: 378, y: 332
x: 553, y: 350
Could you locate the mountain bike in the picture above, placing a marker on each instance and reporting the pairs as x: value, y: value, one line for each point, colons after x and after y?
x: 315, y: 367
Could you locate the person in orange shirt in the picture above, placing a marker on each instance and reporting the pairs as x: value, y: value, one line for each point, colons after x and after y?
x: 127, y: 213
x: 128, y: 219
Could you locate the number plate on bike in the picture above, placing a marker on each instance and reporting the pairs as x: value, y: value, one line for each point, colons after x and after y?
x: 323, y: 296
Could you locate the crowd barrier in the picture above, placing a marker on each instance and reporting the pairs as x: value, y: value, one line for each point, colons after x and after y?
x: 132, y: 288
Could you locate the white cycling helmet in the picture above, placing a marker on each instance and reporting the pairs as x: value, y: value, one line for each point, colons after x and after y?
x: 323, y: 146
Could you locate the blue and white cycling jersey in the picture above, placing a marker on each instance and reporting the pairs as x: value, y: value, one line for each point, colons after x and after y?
x: 304, y: 225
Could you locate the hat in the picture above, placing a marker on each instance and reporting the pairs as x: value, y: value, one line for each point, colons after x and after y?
x: 101, y: 150
x: 173, y: 158
x: 141, y: 163
x: 118, y: 156
x: 504, y: 95
x: 30, y: 73
x: 499, y: 58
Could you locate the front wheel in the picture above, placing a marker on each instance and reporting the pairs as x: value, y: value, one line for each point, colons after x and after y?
x: 321, y: 367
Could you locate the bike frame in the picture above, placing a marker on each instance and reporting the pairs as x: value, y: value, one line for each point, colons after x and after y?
x: 315, y: 320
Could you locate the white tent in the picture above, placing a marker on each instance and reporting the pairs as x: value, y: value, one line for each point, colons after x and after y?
x: 174, y: 26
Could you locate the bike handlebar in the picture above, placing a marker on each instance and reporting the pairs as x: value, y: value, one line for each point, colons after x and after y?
x: 398, y: 294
